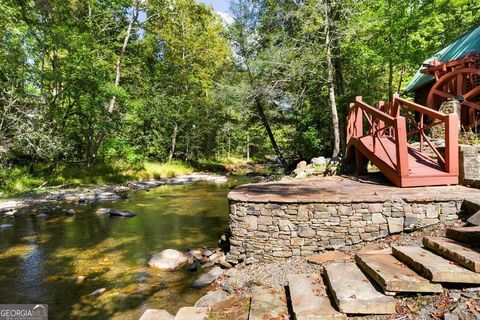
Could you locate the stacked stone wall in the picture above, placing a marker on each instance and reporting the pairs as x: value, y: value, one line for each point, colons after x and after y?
x: 470, y: 165
x: 274, y: 231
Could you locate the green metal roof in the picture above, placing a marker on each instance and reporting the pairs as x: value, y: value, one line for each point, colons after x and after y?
x: 458, y: 49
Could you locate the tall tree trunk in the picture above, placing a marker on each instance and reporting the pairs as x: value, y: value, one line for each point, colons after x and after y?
x: 390, y: 46
x: 401, y: 79
x: 118, y: 65
x: 331, y: 83
x: 339, y: 83
x: 248, y: 146
x: 173, y: 144
x: 263, y: 117
x: 266, y: 124
x: 390, y: 79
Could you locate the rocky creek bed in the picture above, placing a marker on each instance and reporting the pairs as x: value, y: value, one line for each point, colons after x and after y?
x: 106, y: 193
x: 89, y: 266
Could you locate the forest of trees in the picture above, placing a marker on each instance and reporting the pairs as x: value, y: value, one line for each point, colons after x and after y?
x: 89, y: 81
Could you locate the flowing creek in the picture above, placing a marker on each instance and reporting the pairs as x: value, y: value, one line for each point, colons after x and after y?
x: 41, y: 260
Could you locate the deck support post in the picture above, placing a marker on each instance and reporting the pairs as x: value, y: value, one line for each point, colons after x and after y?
x: 358, y: 119
x: 361, y: 163
x: 451, y: 143
x: 401, y: 146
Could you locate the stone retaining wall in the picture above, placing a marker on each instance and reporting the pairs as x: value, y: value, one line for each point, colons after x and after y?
x: 470, y: 165
x: 271, y: 231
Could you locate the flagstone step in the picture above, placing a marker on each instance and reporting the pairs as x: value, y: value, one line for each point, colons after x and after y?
x: 309, y: 299
x: 466, y: 255
x: 353, y: 293
x: 434, y: 267
x: 192, y: 313
x: 268, y: 303
x: 470, y: 235
x: 394, y: 276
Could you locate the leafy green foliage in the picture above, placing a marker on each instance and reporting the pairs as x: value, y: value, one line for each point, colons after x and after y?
x: 20, y: 180
x: 189, y: 87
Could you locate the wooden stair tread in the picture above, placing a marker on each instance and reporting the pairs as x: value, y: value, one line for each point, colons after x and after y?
x: 394, y: 276
x: 309, y: 299
x: 434, y: 267
x: 353, y: 293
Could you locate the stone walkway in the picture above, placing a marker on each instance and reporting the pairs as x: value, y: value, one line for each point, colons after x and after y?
x: 368, y: 286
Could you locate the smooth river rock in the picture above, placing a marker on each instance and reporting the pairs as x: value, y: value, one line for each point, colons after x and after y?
x: 122, y: 213
x: 207, y: 278
x: 168, y: 260
x: 192, y: 313
x: 103, y: 212
x: 156, y: 314
x: 211, y: 298
x: 41, y: 216
x: 5, y: 226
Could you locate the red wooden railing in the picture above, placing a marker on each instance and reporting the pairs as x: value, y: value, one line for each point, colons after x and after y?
x: 382, y: 135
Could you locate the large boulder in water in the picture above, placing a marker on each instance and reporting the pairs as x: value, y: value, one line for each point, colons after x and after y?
x: 168, y: 260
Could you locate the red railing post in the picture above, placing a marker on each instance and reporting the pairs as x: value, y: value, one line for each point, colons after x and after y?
x: 358, y: 119
x: 381, y: 123
x: 451, y: 143
x: 395, y: 105
x: 350, y: 122
x: 401, y: 145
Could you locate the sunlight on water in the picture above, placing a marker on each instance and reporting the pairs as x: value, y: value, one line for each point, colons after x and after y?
x: 61, y: 261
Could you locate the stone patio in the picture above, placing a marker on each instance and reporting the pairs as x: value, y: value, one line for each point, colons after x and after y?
x: 343, y: 189
x: 278, y: 220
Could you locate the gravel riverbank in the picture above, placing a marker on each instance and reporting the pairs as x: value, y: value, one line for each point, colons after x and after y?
x: 106, y: 193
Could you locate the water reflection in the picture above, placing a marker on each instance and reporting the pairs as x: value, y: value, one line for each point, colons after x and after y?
x: 61, y: 261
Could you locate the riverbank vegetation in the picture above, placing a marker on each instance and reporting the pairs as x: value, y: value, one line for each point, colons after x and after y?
x: 89, y: 84
x: 19, y: 180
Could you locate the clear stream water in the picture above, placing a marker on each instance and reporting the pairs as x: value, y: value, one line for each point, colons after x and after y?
x: 40, y: 259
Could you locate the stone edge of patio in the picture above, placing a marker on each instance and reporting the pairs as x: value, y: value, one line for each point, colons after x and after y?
x: 342, y: 189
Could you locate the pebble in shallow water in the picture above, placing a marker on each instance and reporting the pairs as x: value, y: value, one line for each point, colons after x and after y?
x: 41, y: 216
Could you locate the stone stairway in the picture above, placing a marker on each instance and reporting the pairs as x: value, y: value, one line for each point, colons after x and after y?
x: 366, y: 286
